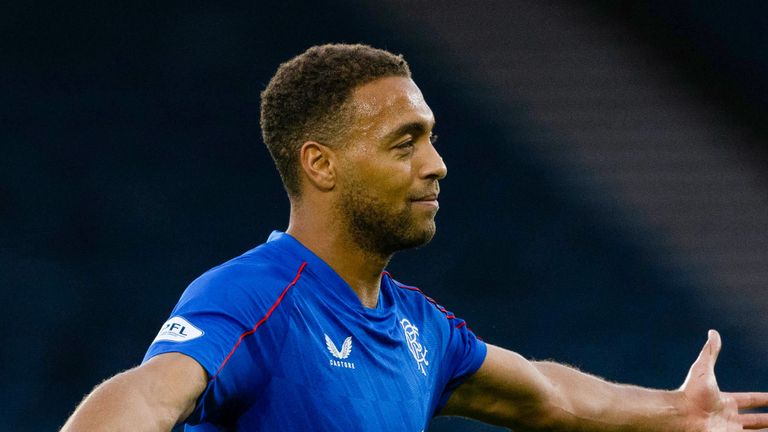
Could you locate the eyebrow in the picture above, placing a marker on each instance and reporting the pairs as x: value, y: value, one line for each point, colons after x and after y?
x: 413, y: 128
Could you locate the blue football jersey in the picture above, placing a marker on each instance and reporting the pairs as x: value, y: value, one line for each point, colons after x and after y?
x: 289, y: 346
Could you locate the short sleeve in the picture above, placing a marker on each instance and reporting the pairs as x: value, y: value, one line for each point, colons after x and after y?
x: 464, y: 356
x: 202, y: 325
x: 214, y: 323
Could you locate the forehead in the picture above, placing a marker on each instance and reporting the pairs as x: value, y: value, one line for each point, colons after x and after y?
x: 387, y: 103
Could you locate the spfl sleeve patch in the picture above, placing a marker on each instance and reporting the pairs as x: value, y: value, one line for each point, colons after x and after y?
x: 178, y: 329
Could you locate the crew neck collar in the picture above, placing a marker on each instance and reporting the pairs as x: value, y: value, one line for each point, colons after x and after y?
x: 328, y: 277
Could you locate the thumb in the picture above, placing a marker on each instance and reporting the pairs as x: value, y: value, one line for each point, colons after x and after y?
x: 705, y: 363
x: 711, y: 349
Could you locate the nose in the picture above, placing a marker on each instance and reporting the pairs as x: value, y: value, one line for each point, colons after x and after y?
x: 432, y: 166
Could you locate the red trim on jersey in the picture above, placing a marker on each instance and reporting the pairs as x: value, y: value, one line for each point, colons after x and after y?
x: 261, y: 321
x: 429, y: 299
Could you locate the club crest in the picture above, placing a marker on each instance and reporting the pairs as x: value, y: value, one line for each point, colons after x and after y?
x: 418, y: 351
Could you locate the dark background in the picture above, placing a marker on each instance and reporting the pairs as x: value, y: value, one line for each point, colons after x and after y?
x: 132, y: 162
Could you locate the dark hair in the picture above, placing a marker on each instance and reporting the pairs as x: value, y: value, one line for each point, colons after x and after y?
x: 305, y: 99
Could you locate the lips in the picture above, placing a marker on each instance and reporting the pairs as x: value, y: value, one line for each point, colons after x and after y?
x: 427, y: 196
x: 429, y: 201
x: 432, y: 197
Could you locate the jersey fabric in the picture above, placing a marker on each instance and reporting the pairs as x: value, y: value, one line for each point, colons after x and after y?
x: 289, y: 346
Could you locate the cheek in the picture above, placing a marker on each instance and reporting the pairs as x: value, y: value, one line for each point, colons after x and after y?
x: 395, y: 183
x: 385, y: 176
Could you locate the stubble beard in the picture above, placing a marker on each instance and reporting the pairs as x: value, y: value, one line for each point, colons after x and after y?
x: 380, y: 231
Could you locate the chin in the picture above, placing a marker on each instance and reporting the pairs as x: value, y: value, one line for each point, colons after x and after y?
x: 422, y: 237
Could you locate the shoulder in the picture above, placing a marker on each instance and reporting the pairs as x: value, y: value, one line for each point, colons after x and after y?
x: 257, y: 277
x: 413, y: 296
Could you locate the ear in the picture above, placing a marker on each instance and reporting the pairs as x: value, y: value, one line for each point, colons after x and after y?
x: 318, y: 163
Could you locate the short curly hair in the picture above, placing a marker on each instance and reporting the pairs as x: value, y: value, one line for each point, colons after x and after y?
x: 306, y: 99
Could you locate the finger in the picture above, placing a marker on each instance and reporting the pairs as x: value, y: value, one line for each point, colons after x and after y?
x: 753, y: 421
x: 715, y: 344
x: 708, y: 355
x: 705, y: 362
x: 750, y: 400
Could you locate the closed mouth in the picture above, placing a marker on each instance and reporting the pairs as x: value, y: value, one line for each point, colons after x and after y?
x: 432, y: 197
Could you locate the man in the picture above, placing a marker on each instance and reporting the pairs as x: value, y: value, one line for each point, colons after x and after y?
x: 307, y: 332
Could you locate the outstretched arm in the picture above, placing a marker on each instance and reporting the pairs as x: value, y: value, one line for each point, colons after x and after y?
x: 511, y: 391
x: 152, y: 397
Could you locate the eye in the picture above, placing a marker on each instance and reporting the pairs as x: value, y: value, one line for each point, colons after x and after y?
x: 405, y: 145
x: 404, y: 150
x: 433, y: 138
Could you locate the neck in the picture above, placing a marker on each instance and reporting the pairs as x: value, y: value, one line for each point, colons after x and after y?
x: 361, y: 269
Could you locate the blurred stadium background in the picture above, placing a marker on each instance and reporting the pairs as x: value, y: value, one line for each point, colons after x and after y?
x: 607, y: 200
